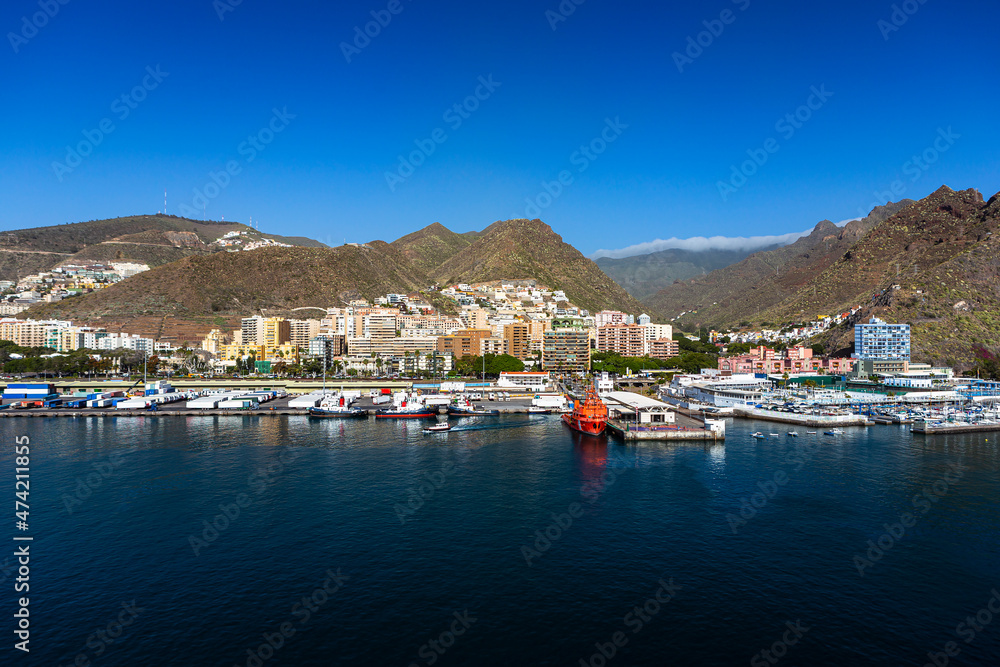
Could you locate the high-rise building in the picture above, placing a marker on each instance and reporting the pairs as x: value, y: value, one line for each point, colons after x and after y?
x: 627, y: 340
x: 269, y: 331
x: 300, y: 332
x: 881, y: 340
x: 516, y: 340
x: 464, y: 342
x: 566, y: 351
x: 608, y: 317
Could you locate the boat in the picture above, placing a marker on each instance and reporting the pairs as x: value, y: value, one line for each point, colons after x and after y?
x: 837, y: 431
x: 589, y: 416
x: 774, y: 435
x: 793, y: 434
x: 539, y: 411
x: 758, y: 434
x: 468, y: 410
x: 338, y: 413
x: 419, y: 412
x: 810, y: 432
x: 440, y: 427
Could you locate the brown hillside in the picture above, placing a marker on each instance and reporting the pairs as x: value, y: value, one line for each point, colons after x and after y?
x: 529, y: 249
x: 743, y: 290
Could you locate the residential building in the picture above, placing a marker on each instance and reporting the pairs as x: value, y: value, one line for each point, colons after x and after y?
x: 464, y: 342
x: 300, y: 332
x: 516, y: 340
x: 881, y: 340
x: 566, y: 351
x: 609, y: 317
x: 663, y: 348
x: 627, y: 340
x: 328, y: 346
x: 269, y: 331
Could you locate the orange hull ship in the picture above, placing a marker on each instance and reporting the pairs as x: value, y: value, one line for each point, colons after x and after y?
x: 590, y: 417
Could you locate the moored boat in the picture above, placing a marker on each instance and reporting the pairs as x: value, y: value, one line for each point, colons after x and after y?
x: 338, y: 413
x: 589, y: 416
x: 758, y: 434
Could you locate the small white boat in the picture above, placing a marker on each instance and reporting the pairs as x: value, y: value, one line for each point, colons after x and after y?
x: 838, y: 431
x: 774, y: 435
x: 810, y: 432
x: 793, y: 434
x: 758, y: 434
x: 440, y: 427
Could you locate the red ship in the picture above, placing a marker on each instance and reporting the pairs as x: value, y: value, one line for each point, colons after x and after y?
x: 590, y: 416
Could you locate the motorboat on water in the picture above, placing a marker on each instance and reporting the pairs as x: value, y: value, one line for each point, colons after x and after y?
x: 793, y: 434
x: 440, y: 427
x: 539, y: 411
x: 758, y: 434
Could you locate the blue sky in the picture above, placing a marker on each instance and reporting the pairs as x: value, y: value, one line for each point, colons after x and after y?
x: 641, y: 138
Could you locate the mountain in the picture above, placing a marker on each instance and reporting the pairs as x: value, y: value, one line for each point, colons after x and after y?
x: 529, y: 250
x: 431, y: 246
x: 739, y: 292
x: 934, y: 264
x: 246, y: 282
x: 148, y: 239
x: 645, y: 275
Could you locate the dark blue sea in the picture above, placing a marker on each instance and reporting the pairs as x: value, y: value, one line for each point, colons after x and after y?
x: 510, y: 541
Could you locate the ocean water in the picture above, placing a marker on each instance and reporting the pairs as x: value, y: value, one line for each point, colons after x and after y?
x: 509, y: 541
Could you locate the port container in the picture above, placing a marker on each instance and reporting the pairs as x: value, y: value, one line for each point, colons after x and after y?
x: 132, y: 404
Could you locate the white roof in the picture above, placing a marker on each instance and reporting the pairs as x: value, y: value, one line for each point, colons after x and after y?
x: 635, y: 401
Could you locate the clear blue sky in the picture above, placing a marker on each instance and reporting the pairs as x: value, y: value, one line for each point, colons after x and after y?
x: 324, y: 174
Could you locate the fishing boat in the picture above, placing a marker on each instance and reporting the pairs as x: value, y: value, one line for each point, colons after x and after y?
x: 589, y: 416
x: 793, y: 434
x: 440, y: 427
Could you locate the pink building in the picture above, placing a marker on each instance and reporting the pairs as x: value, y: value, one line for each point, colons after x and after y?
x: 795, y: 360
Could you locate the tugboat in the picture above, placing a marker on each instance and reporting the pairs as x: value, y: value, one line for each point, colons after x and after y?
x: 337, y: 408
x: 407, y: 407
x: 590, y: 416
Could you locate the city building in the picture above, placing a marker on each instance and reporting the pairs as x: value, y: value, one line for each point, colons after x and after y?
x: 881, y: 340
x: 663, y: 348
x: 524, y: 380
x: 566, y: 351
x: 464, y: 342
x: 327, y: 346
x: 516, y: 340
x: 269, y: 331
x: 628, y: 340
